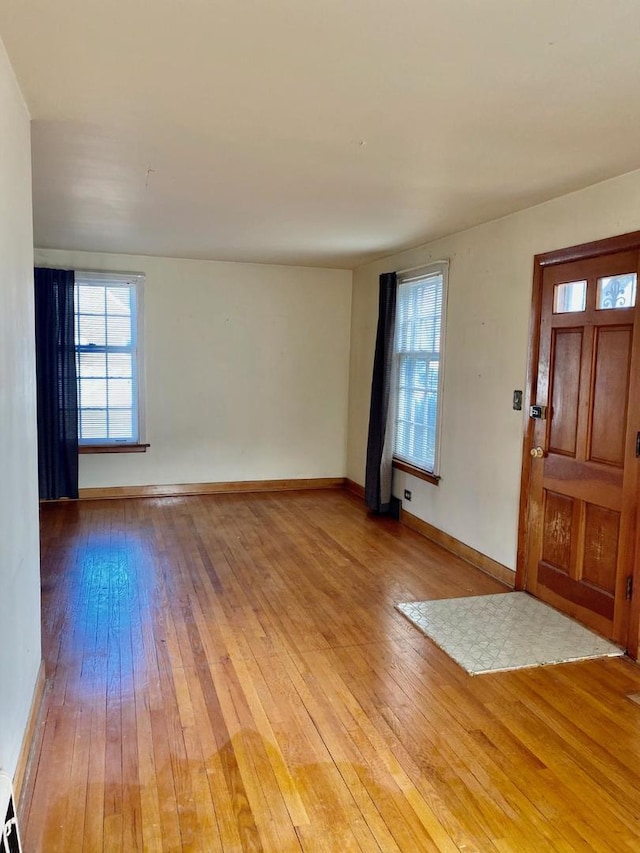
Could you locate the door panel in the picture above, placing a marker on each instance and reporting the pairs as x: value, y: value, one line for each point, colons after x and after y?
x: 583, y: 489
x: 602, y: 533
x: 558, y: 525
x: 567, y: 357
x: 610, y: 394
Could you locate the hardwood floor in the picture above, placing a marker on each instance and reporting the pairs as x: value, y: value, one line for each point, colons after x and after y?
x: 228, y: 673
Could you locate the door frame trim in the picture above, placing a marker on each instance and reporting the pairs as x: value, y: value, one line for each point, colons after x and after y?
x: 583, y: 251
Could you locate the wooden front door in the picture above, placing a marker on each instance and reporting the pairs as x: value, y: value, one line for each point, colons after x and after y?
x: 584, y: 441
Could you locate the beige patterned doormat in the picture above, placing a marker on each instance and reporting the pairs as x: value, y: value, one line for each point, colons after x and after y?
x: 512, y: 630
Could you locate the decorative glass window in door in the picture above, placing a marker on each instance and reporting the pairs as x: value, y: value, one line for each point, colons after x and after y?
x: 616, y: 291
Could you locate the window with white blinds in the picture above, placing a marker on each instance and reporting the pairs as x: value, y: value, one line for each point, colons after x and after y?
x: 420, y: 309
x: 107, y: 312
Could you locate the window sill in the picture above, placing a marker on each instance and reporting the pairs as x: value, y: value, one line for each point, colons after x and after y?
x: 416, y: 472
x: 113, y: 448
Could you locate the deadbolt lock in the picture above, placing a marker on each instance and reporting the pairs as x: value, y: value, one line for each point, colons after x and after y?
x: 538, y: 413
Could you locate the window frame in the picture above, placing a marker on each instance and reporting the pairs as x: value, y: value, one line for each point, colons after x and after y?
x: 413, y: 276
x: 136, y: 281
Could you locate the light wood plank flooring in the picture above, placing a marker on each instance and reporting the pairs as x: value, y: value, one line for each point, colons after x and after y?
x: 228, y: 673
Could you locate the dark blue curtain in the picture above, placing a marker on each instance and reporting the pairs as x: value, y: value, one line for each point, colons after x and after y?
x: 56, y: 384
x: 377, y: 488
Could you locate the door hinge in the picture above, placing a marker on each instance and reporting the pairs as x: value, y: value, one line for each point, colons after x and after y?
x: 629, y: 590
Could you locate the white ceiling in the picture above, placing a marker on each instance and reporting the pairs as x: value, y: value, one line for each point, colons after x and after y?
x: 322, y: 133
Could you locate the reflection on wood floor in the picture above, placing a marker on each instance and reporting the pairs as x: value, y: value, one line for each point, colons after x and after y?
x: 228, y: 673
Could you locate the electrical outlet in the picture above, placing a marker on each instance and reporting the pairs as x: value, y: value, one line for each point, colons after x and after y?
x: 407, y: 495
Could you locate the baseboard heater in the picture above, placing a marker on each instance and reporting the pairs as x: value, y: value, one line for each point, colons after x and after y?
x: 10, y: 836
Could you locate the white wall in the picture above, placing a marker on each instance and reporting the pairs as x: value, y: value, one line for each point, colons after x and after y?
x: 247, y: 371
x: 19, y: 551
x: 486, y: 347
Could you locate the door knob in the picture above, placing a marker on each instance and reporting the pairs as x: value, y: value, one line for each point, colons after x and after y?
x: 537, y: 452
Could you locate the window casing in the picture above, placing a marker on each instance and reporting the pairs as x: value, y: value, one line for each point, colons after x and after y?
x: 419, y: 346
x: 108, y: 358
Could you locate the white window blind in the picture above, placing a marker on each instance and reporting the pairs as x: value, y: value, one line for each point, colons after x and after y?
x: 107, y: 363
x: 418, y: 352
